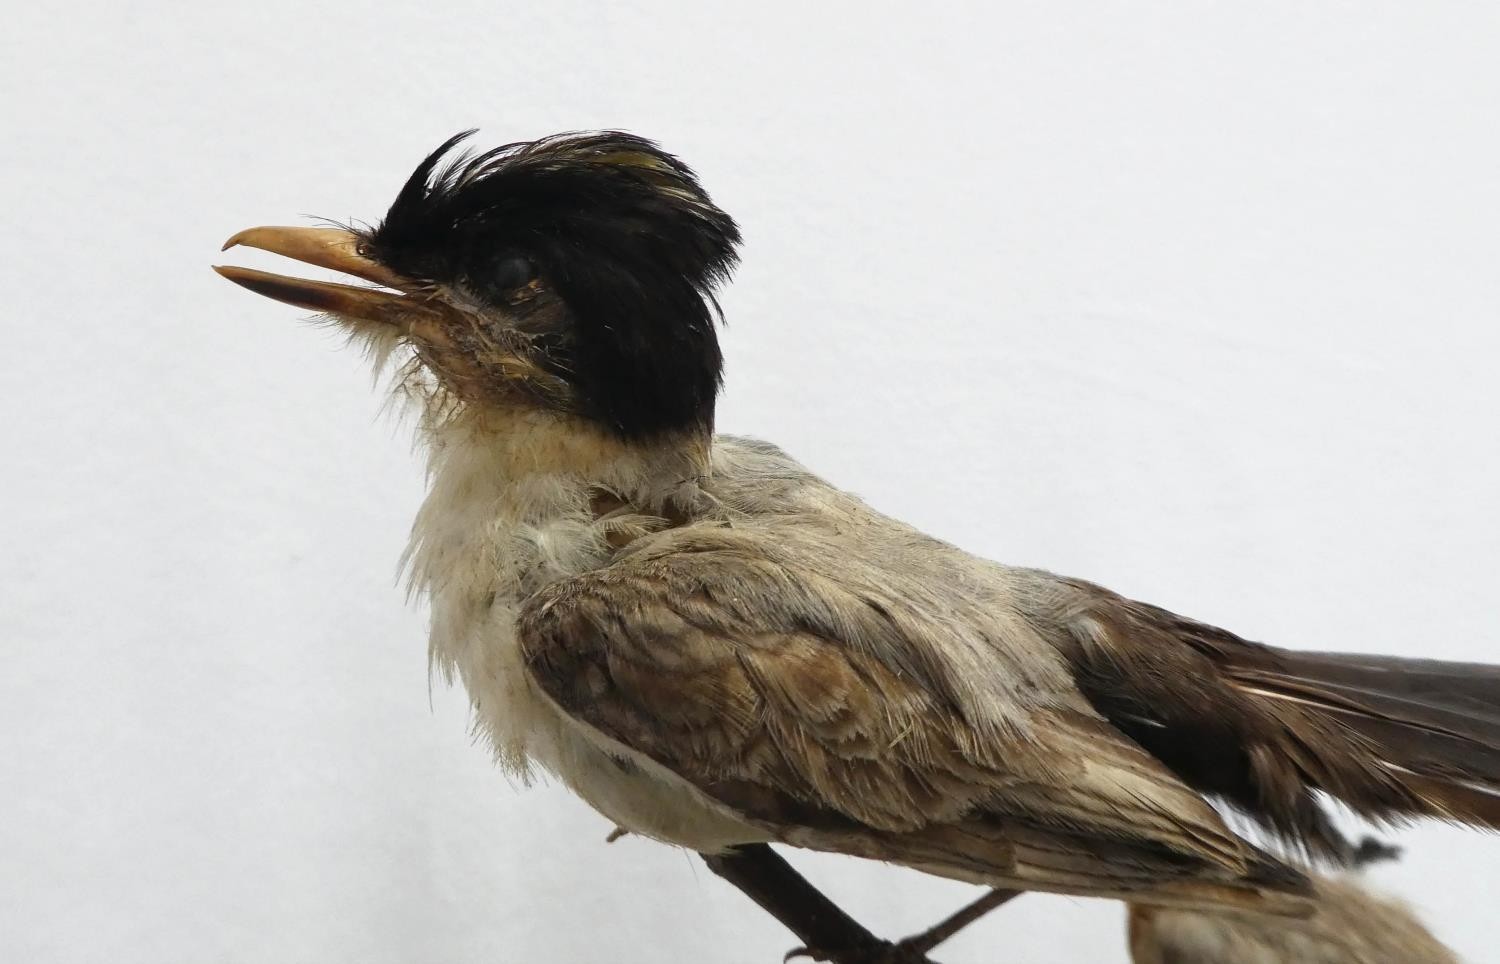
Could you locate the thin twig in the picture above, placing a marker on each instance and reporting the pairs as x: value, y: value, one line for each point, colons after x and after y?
x: 822, y: 926
x: 936, y: 934
x: 826, y: 932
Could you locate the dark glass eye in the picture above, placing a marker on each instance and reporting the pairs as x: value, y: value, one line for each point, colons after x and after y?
x: 512, y: 272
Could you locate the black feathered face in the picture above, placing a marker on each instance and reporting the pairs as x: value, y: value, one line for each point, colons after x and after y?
x: 574, y: 272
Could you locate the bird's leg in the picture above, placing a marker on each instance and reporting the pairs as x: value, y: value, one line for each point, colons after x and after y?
x: 827, y: 933
x: 920, y: 944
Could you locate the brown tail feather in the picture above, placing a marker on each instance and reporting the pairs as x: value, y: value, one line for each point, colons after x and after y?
x: 1470, y: 691
x: 1458, y: 801
x: 1266, y: 730
x: 1434, y: 727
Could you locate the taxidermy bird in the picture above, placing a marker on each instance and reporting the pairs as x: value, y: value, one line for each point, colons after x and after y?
x: 1349, y: 925
x: 712, y: 646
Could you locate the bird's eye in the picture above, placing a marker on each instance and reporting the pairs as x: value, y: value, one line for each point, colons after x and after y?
x: 513, y: 272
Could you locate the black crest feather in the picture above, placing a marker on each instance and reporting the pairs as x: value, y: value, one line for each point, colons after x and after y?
x: 622, y: 231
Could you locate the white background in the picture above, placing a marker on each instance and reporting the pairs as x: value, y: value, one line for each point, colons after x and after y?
x: 1198, y: 301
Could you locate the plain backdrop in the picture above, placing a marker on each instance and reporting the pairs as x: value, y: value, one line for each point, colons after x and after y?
x: 1199, y: 301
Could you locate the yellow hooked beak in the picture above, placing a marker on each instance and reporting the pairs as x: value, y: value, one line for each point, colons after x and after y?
x: 341, y: 251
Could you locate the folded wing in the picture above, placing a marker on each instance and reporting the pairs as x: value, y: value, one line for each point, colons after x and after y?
x: 786, y: 694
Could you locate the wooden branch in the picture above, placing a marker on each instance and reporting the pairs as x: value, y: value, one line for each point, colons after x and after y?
x: 935, y: 935
x: 826, y: 932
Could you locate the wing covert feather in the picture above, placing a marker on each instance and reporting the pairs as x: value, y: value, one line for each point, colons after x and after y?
x: 705, y: 655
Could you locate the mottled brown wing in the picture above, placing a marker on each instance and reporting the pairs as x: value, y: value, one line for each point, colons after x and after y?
x: 708, y: 655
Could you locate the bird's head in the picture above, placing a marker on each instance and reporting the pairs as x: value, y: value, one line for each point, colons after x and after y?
x: 572, y: 274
